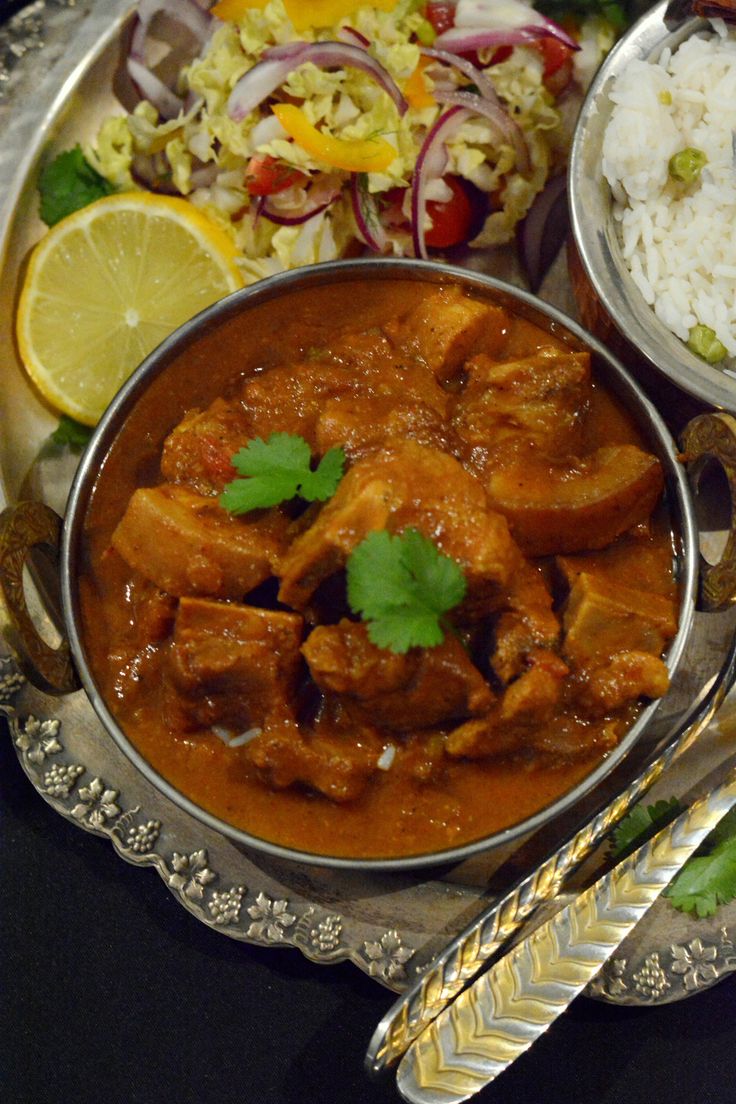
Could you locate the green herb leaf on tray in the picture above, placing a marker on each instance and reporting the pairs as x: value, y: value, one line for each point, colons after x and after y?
x: 69, y: 183
x: 278, y: 470
x: 641, y: 824
x: 403, y: 587
x: 706, y: 881
x: 72, y: 434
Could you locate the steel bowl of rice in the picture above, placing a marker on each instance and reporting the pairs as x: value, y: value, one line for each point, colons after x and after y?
x: 653, y: 198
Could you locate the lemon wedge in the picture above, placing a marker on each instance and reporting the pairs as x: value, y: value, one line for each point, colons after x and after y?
x: 106, y: 285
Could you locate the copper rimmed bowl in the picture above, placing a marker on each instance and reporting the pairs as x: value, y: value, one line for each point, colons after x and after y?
x: 28, y: 525
x: 606, y: 293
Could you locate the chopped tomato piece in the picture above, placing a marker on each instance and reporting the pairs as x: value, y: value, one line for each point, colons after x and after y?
x: 452, y: 221
x: 267, y: 175
x: 557, y: 59
x: 441, y: 15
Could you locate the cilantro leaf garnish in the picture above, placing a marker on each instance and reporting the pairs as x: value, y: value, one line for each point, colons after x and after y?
x: 69, y: 183
x: 641, y: 824
x: 708, y: 879
x: 70, y: 433
x: 280, y: 469
x: 403, y: 587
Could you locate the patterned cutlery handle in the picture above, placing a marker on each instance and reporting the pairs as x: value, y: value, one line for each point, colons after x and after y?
x: 502, y: 1013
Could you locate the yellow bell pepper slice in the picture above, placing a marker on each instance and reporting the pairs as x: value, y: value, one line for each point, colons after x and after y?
x: 415, y: 89
x: 354, y: 155
x: 325, y: 13
x: 230, y: 11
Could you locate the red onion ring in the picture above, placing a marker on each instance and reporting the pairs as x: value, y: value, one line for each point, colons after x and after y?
x: 477, y: 76
x: 353, y: 37
x: 277, y: 63
x: 366, y: 214
x: 187, y: 14
x: 431, y: 164
x: 320, y: 196
x: 469, y: 39
x: 499, y: 118
x: 512, y: 15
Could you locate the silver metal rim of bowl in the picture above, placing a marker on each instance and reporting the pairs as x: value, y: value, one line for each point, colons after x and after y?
x: 620, y: 381
x: 594, y: 231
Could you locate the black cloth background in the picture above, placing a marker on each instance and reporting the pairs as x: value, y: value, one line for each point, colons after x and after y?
x: 111, y: 993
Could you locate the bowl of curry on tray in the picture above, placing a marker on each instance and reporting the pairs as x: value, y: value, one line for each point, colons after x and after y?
x: 378, y: 563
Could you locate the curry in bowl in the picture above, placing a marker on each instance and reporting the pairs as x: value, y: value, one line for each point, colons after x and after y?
x: 377, y: 569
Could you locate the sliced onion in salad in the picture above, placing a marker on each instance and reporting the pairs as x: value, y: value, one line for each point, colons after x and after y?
x: 470, y: 39
x: 365, y: 210
x: 277, y: 63
x: 321, y: 195
x: 498, y: 117
x: 482, y: 82
x: 189, y: 16
x: 431, y: 163
x: 353, y: 37
x: 506, y: 15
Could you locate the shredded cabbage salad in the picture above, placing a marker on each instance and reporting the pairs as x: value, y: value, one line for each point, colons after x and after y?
x: 312, y: 129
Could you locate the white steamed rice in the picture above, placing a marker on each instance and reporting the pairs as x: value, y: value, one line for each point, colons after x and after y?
x: 680, y: 246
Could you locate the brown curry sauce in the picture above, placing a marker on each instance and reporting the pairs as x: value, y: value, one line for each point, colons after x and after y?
x: 483, y: 398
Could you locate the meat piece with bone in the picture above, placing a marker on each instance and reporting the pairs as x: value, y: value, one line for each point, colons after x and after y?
x: 403, y: 486
x: 337, y: 757
x: 552, y: 508
x: 445, y: 327
x: 232, y: 665
x: 188, y: 545
x: 198, y: 452
x: 423, y: 688
x: 539, y: 401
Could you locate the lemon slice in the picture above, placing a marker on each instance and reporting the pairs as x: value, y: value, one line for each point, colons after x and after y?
x: 106, y: 285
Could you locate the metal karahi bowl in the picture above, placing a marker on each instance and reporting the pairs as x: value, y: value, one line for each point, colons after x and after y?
x: 240, y: 305
x: 606, y: 277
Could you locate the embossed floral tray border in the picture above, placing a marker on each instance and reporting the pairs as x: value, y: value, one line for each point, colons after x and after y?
x: 383, y: 924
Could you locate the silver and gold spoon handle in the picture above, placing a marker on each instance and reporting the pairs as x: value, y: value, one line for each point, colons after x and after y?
x: 505, y: 1010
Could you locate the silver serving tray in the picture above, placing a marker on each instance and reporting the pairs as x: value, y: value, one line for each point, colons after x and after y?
x: 56, y: 66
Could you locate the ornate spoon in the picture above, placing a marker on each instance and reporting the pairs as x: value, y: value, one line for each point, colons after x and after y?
x: 505, y: 1010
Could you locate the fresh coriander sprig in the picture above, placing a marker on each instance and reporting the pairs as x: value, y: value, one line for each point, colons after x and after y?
x: 639, y: 825
x: 279, y: 469
x: 69, y: 183
x: 705, y: 881
x: 71, y: 434
x: 403, y: 587
x: 708, y: 880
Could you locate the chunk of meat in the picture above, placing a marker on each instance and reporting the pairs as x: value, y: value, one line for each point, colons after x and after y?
x: 337, y: 758
x: 198, y: 452
x: 363, y: 423
x: 425, y: 687
x: 292, y: 398
x: 445, y: 327
x: 602, y: 618
x: 232, y: 665
x: 153, y: 611
x: 187, y: 544
x: 405, y: 485
x: 627, y: 677
x: 528, y: 622
x: 520, y: 715
x: 540, y: 401
x: 552, y: 508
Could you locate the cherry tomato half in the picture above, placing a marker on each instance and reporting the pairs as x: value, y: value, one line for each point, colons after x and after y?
x: 441, y: 15
x: 452, y: 222
x: 267, y: 175
x: 557, y: 58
